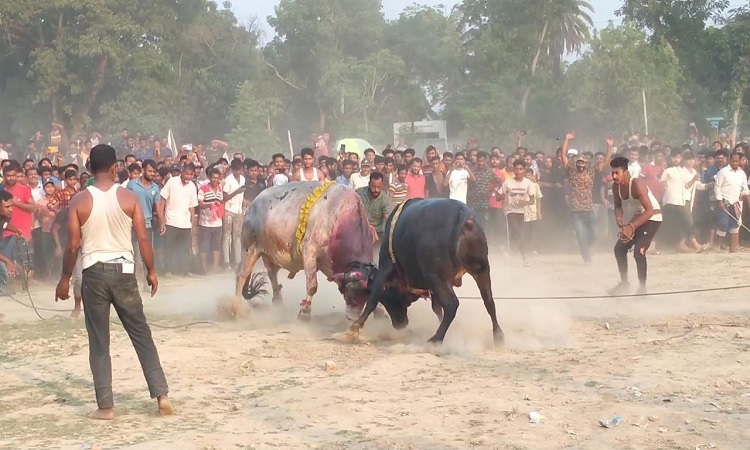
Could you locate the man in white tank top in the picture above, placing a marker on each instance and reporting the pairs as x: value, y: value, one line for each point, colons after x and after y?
x: 308, y: 171
x: 640, y: 230
x: 100, y: 223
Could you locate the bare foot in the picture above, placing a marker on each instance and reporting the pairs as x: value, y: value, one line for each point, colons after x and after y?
x: 165, y: 408
x: 75, y: 314
x: 102, y: 414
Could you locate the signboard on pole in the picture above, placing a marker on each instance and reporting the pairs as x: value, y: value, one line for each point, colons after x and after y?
x: 426, y: 129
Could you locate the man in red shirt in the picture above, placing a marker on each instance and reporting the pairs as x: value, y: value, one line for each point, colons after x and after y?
x: 415, y: 181
x: 23, y: 202
x: 651, y: 172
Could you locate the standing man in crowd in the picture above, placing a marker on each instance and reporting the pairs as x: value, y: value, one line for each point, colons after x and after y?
x: 517, y: 193
x: 376, y: 203
x: 731, y: 191
x: 457, y: 179
x: 416, y: 183
x: 211, y: 205
x: 485, y: 181
x: 581, y: 179
x: 347, y: 169
x: 7, y: 245
x: 61, y: 199
x: 181, y: 199
x: 23, y: 203
x: 308, y: 171
x: 254, y: 183
x: 149, y: 195
x: 233, y: 187
x: 100, y: 224
x: 362, y: 178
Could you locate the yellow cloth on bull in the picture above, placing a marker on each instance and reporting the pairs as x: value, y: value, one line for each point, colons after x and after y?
x: 304, y: 212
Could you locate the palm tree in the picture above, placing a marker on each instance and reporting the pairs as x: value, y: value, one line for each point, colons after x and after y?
x: 569, y: 28
x: 565, y: 28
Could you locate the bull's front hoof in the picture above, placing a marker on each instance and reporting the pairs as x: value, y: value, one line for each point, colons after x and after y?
x: 354, y: 329
x: 435, y: 340
x: 230, y: 309
x: 499, y: 337
x: 305, y: 311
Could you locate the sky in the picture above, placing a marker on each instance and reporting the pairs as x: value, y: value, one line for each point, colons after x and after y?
x: 604, y: 10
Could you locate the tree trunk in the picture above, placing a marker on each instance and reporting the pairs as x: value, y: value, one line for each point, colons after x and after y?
x: 81, y: 112
x: 322, y: 121
x: 737, y: 116
x: 534, y: 63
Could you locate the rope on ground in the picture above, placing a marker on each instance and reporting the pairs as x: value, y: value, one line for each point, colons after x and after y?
x: 155, y: 325
x: 172, y: 327
x: 558, y: 297
x: 33, y: 306
x: 595, y: 297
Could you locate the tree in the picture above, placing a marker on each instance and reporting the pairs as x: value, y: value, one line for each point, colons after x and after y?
x: 564, y: 29
x: 104, y: 64
x: 736, y: 57
x: 684, y: 25
x: 253, y: 116
x: 429, y: 44
x: 673, y: 20
x: 606, y: 85
x: 311, y: 38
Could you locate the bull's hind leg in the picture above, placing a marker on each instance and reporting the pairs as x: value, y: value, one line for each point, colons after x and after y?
x: 484, y: 283
x: 311, y: 283
x: 273, y: 277
x: 443, y: 295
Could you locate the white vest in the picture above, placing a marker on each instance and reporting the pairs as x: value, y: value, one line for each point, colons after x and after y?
x: 106, y: 235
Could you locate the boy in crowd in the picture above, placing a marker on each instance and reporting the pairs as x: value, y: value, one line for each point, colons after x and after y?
x: 517, y: 193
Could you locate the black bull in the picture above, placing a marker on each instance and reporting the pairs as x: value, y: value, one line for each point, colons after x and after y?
x: 435, y: 242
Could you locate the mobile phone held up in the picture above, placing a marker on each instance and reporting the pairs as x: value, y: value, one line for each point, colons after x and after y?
x: 342, y: 149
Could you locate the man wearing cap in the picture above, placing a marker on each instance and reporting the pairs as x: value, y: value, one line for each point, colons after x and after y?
x: 99, y: 225
x: 362, y: 178
x: 581, y: 181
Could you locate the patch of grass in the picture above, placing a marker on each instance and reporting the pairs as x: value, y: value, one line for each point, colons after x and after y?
x: 49, y: 329
x: 60, y: 392
x: 591, y: 383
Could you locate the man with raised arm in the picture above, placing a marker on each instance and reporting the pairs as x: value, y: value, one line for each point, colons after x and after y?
x: 581, y: 178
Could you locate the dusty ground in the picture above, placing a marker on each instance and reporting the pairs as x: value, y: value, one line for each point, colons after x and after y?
x: 676, y: 369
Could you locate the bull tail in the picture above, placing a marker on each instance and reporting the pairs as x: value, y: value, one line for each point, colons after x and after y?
x: 255, y: 286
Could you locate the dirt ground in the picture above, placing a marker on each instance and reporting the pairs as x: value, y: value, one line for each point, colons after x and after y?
x: 676, y: 369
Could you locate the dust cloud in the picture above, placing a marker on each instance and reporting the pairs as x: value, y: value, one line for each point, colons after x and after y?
x: 529, y: 324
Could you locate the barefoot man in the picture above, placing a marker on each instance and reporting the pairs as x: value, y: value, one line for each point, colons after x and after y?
x: 640, y: 230
x: 100, y: 223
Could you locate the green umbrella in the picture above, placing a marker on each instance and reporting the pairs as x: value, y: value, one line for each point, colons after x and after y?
x: 353, y: 145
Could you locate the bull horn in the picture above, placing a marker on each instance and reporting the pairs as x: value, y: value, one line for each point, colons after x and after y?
x: 338, y: 278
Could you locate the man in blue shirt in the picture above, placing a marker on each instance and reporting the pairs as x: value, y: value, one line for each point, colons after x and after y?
x: 148, y: 193
x: 347, y: 167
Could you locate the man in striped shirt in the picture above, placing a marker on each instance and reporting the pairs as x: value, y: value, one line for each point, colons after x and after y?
x: 398, y: 189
